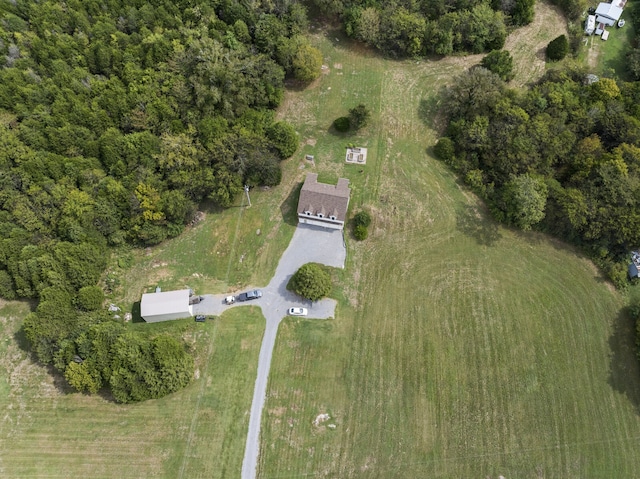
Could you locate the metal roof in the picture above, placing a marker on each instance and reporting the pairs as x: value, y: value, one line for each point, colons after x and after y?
x: 609, y: 10
x: 168, y: 302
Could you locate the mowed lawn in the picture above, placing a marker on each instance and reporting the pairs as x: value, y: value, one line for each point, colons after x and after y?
x: 460, y: 348
x: 47, y: 431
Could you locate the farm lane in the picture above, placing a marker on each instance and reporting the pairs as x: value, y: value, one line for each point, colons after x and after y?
x: 310, y: 244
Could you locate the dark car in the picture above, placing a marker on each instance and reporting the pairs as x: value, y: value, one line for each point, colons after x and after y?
x: 201, y: 318
x: 249, y: 295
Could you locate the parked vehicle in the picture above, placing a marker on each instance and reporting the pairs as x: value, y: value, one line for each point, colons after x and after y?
x: 201, y: 318
x: 298, y: 311
x: 230, y: 300
x: 195, y: 299
x: 249, y: 295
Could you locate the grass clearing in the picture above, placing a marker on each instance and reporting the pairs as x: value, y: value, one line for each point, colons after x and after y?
x: 46, y: 431
x: 461, y: 348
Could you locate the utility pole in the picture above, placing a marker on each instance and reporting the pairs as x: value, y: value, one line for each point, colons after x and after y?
x: 246, y: 190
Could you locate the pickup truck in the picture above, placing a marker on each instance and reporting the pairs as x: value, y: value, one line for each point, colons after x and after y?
x: 255, y: 294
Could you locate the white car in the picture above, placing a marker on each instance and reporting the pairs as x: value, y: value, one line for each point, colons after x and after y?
x: 298, y: 311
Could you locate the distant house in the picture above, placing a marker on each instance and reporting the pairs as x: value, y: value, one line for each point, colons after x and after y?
x: 165, y: 306
x: 609, y: 13
x: 321, y: 204
x: 634, y: 267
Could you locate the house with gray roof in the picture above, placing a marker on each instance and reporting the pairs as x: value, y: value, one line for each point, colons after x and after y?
x: 321, y: 204
x: 609, y: 13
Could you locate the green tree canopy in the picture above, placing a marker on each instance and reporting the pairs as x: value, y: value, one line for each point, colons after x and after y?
x: 558, y: 48
x: 525, y: 198
x: 359, y: 116
x: 311, y: 281
x: 499, y: 62
x: 307, y: 63
x: 284, y: 138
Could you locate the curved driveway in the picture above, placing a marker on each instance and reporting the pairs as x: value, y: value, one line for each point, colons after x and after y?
x: 309, y: 244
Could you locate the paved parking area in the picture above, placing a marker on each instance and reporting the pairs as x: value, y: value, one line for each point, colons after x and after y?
x: 310, y: 244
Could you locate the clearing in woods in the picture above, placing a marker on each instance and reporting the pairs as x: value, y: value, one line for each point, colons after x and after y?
x: 460, y: 348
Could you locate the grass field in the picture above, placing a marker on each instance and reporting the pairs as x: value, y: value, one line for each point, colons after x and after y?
x: 459, y: 348
x: 609, y: 57
x: 462, y: 349
x: 46, y: 431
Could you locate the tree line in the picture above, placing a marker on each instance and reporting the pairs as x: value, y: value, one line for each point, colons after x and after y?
x: 117, y: 118
x: 562, y: 157
x: 414, y: 28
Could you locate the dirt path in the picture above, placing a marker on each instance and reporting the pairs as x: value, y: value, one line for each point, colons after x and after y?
x: 528, y: 44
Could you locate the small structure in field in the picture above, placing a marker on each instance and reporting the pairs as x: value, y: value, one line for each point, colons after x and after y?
x: 356, y: 155
x: 605, y: 35
x: 590, y: 25
x: 321, y: 204
x: 165, y: 306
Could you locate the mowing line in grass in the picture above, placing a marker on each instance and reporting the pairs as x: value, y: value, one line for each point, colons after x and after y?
x: 196, y: 409
x: 235, y: 238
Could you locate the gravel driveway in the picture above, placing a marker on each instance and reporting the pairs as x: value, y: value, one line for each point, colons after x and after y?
x: 310, y: 244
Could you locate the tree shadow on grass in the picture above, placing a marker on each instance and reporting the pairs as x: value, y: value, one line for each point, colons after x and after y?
x: 624, y: 367
x: 59, y: 381
x: 428, y: 109
x: 136, y: 316
x: 475, y: 223
x: 289, y: 207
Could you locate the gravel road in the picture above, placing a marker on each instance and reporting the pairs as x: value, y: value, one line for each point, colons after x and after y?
x: 309, y: 244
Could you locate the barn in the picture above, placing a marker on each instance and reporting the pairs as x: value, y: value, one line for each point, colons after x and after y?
x: 165, y: 306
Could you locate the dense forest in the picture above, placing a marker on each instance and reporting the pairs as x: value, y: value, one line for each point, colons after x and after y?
x: 117, y: 117
x: 563, y: 157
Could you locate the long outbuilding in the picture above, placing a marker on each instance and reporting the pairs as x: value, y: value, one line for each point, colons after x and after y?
x: 165, y: 306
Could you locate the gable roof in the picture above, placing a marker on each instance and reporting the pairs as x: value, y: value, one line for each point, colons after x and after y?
x: 165, y: 303
x: 609, y: 10
x: 321, y: 198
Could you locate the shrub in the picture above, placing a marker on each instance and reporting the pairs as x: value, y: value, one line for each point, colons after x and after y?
x: 342, y: 124
x: 360, y: 232
x: 362, y: 218
x: 307, y: 63
x: 90, y: 298
x: 445, y: 149
x: 558, y: 48
x: 499, y: 62
x: 359, y: 116
x: 311, y: 281
x: 283, y: 138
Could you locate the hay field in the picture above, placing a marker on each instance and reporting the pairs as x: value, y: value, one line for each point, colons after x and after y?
x: 461, y: 348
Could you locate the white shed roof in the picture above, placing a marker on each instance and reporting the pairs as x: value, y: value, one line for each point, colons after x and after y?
x: 168, y: 302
